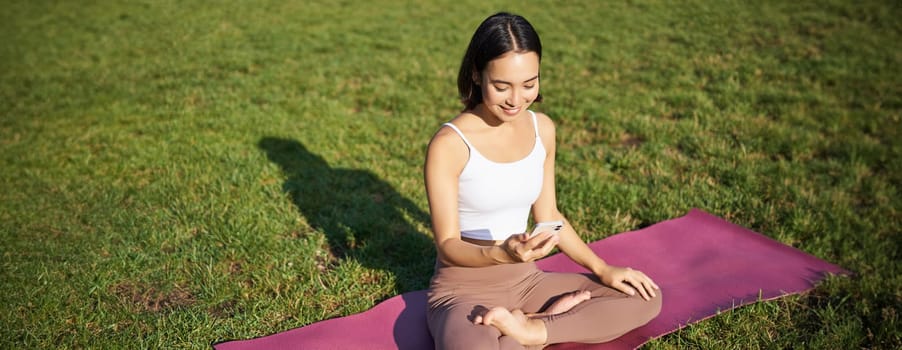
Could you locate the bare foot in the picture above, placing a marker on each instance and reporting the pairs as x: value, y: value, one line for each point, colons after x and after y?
x: 515, y: 324
x: 567, y: 302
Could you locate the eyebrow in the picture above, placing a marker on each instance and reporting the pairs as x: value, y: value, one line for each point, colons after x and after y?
x: 496, y: 81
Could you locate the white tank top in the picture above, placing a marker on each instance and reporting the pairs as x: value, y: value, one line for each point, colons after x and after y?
x: 494, y: 198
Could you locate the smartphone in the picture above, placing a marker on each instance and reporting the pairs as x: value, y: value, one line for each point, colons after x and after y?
x: 552, y: 226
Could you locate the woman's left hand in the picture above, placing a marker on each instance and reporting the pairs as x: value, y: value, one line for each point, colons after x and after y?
x: 628, y: 281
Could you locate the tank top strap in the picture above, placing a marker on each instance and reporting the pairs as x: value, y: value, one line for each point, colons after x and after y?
x: 460, y: 133
x: 535, y: 123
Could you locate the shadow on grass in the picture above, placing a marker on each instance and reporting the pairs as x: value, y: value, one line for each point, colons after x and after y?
x: 362, y: 217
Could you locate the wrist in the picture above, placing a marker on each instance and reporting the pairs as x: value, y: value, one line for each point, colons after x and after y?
x: 498, y: 255
x: 599, y: 268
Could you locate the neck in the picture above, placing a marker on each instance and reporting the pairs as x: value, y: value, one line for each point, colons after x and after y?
x: 487, y: 117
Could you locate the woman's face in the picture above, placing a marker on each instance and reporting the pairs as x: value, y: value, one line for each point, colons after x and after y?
x: 510, y: 83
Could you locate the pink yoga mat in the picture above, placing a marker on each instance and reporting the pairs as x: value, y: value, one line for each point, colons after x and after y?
x: 702, y: 263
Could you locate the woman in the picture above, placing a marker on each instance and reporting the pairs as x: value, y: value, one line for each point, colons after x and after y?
x: 484, y: 172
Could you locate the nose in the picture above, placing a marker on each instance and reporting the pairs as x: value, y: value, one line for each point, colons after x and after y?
x: 514, y: 97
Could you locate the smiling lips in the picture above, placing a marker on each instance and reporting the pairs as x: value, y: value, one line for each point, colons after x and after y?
x: 511, y: 111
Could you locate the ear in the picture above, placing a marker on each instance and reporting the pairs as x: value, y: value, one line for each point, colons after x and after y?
x: 477, y: 76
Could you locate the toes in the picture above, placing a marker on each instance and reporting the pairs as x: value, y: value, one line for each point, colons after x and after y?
x: 489, y: 317
x: 579, y: 297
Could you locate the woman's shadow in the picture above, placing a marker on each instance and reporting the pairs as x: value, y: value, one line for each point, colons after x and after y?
x: 362, y: 217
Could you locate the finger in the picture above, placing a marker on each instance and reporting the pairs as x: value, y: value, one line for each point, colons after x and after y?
x: 535, y: 253
x: 647, y: 283
x: 548, y: 243
x: 651, y: 282
x: 534, y: 242
x: 623, y: 287
x: 632, y: 279
x: 548, y: 246
x: 546, y: 238
x: 648, y: 289
x: 539, y: 238
x: 642, y: 292
x: 649, y: 286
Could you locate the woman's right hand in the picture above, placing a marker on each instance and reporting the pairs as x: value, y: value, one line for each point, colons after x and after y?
x: 523, y: 248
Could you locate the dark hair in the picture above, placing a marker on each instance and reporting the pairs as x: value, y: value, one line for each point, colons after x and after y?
x: 497, y: 35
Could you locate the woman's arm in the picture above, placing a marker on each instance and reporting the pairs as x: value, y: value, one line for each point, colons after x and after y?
x: 545, y: 209
x: 445, y: 159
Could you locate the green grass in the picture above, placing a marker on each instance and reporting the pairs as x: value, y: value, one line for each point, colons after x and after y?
x: 176, y: 174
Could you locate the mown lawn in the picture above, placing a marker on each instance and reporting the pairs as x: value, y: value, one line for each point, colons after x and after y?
x: 176, y: 174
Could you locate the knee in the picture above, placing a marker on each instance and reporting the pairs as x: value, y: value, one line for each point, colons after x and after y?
x: 652, y: 307
x: 643, y: 310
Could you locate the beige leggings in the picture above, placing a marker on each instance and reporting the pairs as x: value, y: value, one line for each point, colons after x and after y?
x: 457, y: 294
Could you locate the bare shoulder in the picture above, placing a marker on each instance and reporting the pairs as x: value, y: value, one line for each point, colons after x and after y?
x: 465, y: 121
x: 447, y: 146
x: 544, y: 120
x: 443, y: 138
x: 446, y: 136
x: 546, y: 126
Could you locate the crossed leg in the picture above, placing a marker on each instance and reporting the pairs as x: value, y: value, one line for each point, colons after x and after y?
x: 593, y: 313
x: 453, y: 328
x: 529, y: 329
x: 566, y: 315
